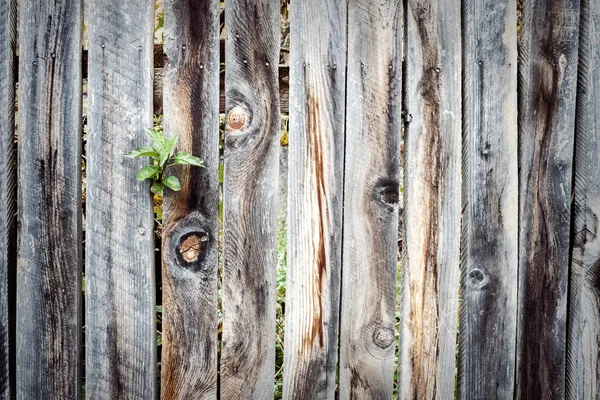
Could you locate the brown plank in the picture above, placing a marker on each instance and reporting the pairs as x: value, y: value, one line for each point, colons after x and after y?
x: 583, y: 346
x: 49, y: 201
x: 432, y: 188
x: 370, y: 236
x: 489, y: 248
x: 547, y: 88
x: 120, y: 305
x: 191, y: 221
x: 249, y: 192
x: 8, y: 196
x: 316, y: 174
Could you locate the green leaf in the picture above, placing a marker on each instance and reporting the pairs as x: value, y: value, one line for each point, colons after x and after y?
x: 160, y: 141
x: 151, y: 171
x: 145, y: 151
x: 157, y: 187
x: 183, y: 158
x: 172, y: 182
x: 169, y: 150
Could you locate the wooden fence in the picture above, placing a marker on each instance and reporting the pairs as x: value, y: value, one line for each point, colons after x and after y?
x: 498, y: 107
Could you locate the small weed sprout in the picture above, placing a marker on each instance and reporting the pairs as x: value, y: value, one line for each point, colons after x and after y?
x: 163, y: 155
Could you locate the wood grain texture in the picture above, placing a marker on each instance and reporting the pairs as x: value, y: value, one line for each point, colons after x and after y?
x: 489, y: 248
x: 284, y: 90
x: 120, y: 303
x: 49, y: 198
x: 547, y: 88
x: 191, y: 221
x: 432, y: 188
x: 370, y: 237
x: 249, y: 192
x: 8, y: 195
x: 316, y: 174
x: 583, y: 346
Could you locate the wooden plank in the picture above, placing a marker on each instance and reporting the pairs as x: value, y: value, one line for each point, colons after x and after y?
x: 49, y: 198
x: 8, y: 197
x: 191, y: 221
x: 547, y: 87
x: 370, y: 235
x: 120, y: 303
x: 489, y: 257
x: 583, y: 347
x: 249, y: 192
x: 316, y: 174
x: 431, y: 257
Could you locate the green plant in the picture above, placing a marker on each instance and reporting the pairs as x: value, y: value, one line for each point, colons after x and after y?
x: 162, y: 152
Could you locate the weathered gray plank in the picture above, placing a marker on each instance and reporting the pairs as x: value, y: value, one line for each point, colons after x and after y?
x: 316, y: 174
x: 8, y: 198
x: 249, y: 191
x: 120, y: 305
x: 547, y: 87
x: 370, y: 251
x: 49, y: 248
x: 583, y: 346
x: 489, y: 257
x: 191, y: 221
x: 432, y: 188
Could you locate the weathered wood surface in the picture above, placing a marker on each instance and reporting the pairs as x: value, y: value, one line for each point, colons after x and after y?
x: 316, y: 175
x: 489, y: 253
x: 120, y: 303
x: 431, y: 256
x: 249, y: 192
x: 8, y: 195
x: 191, y: 222
x: 583, y: 346
x: 370, y: 249
x: 547, y: 88
x: 49, y: 248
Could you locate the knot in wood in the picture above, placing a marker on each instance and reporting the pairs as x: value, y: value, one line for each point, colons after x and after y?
x: 191, y: 246
x: 477, y: 278
x: 236, y: 119
x: 389, y: 192
x: 379, y: 339
x: 383, y: 337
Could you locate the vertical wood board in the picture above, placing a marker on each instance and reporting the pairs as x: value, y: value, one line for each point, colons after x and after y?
x: 8, y: 194
x: 316, y: 173
x: 120, y: 299
x: 489, y: 248
x: 191, y: 222
x: 583, y: 347
x: 49, y: 201
x: 432, y: 211
x: 249, y: 192
x: 547, y: 89
x: 370, y: 249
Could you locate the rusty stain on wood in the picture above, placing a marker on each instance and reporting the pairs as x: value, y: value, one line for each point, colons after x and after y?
x: 432, y: 201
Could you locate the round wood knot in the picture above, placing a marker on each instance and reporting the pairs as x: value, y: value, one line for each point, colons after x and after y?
x: 477, y: 278
x: 191, y: 247
x: 388, y: 192
x: 236, y: 119
x: 383, y: 337
x: 379, y: 339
